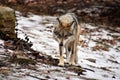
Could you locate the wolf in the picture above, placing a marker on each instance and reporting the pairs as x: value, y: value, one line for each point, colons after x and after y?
x: 66, y: 32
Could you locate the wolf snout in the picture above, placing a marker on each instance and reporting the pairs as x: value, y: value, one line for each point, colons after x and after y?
x: 61, y: 44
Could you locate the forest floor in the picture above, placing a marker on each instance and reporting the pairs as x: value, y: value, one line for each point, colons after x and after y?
x: 105, y: 12
x: 98, y: 53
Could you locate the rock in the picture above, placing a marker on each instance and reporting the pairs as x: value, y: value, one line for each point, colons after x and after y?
x: 7, y: 22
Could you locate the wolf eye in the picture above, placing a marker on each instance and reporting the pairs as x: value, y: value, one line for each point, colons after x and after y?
x: 65, y: 36
x: 70, y: 34
x: 56, y: 33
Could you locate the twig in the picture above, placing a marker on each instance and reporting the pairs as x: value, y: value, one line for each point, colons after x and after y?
x: 36, y: 77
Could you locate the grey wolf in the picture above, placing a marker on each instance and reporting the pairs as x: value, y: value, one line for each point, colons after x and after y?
x: 66, y: 32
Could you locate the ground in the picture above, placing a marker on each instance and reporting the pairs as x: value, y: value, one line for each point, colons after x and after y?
x: 98, y: 53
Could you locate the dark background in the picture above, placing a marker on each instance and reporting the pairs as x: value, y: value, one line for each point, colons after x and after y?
x: 97, y: 12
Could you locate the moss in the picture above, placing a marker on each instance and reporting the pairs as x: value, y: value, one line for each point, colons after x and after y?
x: 7, y: 22
x: 8, y: 19
x: 1, y: 20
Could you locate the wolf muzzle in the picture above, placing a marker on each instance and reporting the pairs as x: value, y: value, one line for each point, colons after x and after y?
x: 61, y: 44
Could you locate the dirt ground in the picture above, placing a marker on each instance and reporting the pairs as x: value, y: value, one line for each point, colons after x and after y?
x: 28, y: 64
x: 100, y: 12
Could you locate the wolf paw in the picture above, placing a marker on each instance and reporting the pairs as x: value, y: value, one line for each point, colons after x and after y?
x: 61, y: 64
x: 71, y: 63
x: 67, y: 61
x: 61, y: 61
x: 76, y: 61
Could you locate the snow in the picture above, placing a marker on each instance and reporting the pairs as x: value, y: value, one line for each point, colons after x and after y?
x: 1, y: 42
x: 41, y: 36
x: 39, y: 31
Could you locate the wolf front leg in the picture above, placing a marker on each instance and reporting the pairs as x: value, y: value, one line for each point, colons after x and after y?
x: 67, y: 56
x: 68, y: 51
x: 61, y: 59
x: 73, y: 57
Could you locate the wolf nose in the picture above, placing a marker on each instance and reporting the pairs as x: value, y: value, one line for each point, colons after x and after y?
x: 61, y: 44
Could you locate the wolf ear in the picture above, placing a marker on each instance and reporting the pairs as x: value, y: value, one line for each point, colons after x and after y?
x: 59, y: 21
x: 71, y: 23
x: 72, y: 26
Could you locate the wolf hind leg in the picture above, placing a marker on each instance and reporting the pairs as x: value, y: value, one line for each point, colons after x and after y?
x: 72, y: 56
x: 68, y: 49
x: 72, y: 59
x: 76, y: 56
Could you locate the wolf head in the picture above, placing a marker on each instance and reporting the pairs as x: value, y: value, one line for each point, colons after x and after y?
x: 64, y: 31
